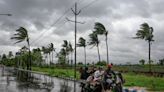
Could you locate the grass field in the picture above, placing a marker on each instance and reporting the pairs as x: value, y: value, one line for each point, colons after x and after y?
x: 131, y: 79
x: 150, y: 82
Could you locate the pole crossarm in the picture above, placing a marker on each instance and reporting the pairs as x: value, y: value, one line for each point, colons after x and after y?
x: 6, y: 14
x: 75, y: 12
x: 74, y: 21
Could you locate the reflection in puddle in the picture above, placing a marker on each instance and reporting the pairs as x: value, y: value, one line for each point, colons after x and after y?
x: 20, y: 81
x: 65, y: 87
x: 28, y: 80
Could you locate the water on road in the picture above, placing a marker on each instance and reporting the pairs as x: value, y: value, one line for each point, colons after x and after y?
x: 18, y: 81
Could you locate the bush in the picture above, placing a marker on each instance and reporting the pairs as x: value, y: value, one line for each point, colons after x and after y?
x: 101, y: 63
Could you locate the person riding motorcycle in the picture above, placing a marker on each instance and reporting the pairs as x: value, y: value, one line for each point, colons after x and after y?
x: 98, y: 74
x: 109, y: 75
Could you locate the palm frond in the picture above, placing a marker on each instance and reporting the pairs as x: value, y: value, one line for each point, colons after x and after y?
x: 145, y: 32
x: 21, y: 35
x: 99, y: 28
x: 82, y: 42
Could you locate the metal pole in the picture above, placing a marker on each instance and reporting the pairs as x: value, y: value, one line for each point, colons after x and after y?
x: 75, y: 21
x: 75, y: 46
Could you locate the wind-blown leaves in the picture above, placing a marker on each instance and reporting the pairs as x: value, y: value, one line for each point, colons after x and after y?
x: 94, y: 42
x: 21, y: 35
x: 93, y: 39
x: 82, y: 42
x: 99, y: 28
x: 145, y: 32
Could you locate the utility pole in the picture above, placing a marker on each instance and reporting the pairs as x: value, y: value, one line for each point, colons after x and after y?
x: 75, y: 12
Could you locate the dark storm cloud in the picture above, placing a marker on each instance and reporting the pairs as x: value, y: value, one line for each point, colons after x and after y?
x: 121, y: 17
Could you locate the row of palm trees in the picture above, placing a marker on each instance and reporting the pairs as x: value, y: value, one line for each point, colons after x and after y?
x: 49, y: 52
x: 65, y: 52
x: 99, y: 29
x: 145, y: 32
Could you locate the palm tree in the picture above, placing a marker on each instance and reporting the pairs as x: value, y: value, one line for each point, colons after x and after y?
x: 142, y: 61
x: 95, y: 42
x: 82, y: 43
x: 49, y: 54
x: 66, y: 47
x: 71, y: 51
x: 146, y: 33
x: 10, y: 55
x: 0, y: 58
x: 52, y: 49
x: 20, y: 36
x: 101, y: 30
x: 45, y: 52
x: 62, y: 56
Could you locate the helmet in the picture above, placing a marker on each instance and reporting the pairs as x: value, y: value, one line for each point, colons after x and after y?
x: 109, y: 65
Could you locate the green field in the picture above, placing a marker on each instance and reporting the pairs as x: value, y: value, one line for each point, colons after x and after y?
x: 131, y: 79
x: 150, y: 82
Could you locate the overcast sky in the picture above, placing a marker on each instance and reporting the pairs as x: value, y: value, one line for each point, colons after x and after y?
x: 121, y: 18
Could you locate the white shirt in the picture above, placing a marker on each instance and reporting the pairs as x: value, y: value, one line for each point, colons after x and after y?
x: 98, y: 74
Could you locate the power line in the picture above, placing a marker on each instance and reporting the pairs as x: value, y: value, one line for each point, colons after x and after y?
x: 41, y: 35
x: 91, y: 3
x: 79, y: 1
x: 55, y: 29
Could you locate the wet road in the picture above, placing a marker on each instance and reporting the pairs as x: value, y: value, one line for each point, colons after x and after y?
x: 19, y: 81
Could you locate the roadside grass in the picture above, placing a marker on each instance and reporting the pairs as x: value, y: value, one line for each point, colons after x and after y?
x: 150, y: 82
x: 131, y: 79
x: 66, y: 72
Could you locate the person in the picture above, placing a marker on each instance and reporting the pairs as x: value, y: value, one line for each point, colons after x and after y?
x: 92, y: 70
x: 109, y: 75
x: 80, y: 71
x: 98, y: 74
x: 84, y: 74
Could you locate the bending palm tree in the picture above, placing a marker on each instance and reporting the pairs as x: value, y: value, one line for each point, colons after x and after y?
x: 71, y: 51
x: 45, y: 51
x: 82, y: 43
x: 146, y: 32
x: 95, y: 42
x: 62, y: 53
x: 20, y: 36
x: 100, y: 29
x: 66, y: 47
x: 52, y: 49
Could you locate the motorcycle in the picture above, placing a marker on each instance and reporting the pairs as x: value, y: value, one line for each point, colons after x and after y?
x: 103, y: 86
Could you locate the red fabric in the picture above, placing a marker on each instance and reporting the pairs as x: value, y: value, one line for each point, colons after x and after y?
x: 109, y: 65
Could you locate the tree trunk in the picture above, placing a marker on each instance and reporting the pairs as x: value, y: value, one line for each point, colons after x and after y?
x: 52, y: 56
x: 85, y: 55
x: 149, y: 56
x: 46, y: 58
x: 98, y: 52
x: 68, y: 59
x: 49, y: 58
x: 65, y: 61
x: 29, y: 62
x: 71, y: 60
x: 107, y: 49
